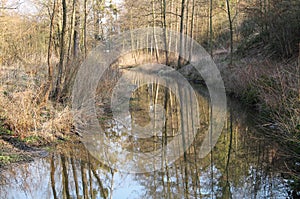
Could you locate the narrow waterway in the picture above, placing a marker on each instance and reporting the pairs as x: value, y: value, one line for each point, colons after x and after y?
x: 243, y: 163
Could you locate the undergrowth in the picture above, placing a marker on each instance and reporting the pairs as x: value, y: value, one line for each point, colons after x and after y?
x: 273, y: 89
x: 24, y: 117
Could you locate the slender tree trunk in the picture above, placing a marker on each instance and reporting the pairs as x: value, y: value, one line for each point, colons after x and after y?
x: 181, y: 44
x: 76, y: 32
x: 102, y: 189
x: 84, y: 28
x: 186, y: 44
x: 187, y: 16
x: 298, y: 72
x: 237, y: 9
x: 230, y: 141
x: 71, y: 35
x: 90, y: 177
x: 57, y: 90
x: 52, y: 176
x: 48, y: 88
x: 131, y: 37
x: 96, y: 22
x: 75, y: 177
x: 165, y: 31
x: 65, y: 177
x: 211, y: 152
x: 176, y: 29
x: 191, y: 31
x: 84, y: 181
x: 154, y: 32
x: 170, y: 26
x: 111, y: 184
x: 231, y: 30
x: 210, y: 27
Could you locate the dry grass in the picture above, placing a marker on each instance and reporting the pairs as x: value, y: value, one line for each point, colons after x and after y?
x: 20, y: 112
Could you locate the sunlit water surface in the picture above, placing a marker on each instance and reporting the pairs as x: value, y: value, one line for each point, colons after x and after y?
x: 243, y: 163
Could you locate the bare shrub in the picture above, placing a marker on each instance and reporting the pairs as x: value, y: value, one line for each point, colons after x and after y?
x: 274, y: 89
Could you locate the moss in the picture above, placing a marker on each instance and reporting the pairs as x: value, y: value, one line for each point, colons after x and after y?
x: 5, y: 159
x: 5, y: 131
x: 33, y: 139
x: 12, y: 158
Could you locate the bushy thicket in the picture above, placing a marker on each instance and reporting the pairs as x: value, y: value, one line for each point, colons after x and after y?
x: 272, y: 28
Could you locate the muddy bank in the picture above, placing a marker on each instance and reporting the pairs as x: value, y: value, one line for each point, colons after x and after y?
x: 17, y: 150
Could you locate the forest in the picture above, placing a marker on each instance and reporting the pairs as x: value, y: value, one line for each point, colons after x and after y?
x: 254, y: 43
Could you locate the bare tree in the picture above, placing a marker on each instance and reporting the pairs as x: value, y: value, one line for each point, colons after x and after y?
x: 230, y: 29
x: 210, y: 27
x: 57, y: 89
x: 165, y: 31
x: 50, y: 66
x: 181, y: 42
x: 192, y: 30
x: 85, y: 27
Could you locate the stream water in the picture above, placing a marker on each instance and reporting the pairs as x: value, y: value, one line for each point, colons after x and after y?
x: 243, y: 163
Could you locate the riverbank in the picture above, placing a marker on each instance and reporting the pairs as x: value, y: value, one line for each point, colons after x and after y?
x: 271, y: 88
x: 17, y: 150
x: 14, y: 149
x: 243, y: 159
x: 28, y: 127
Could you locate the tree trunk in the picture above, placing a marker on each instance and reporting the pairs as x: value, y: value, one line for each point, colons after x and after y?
x: 210, y: 28
x: 71, y: 35
x: 57, y: 90
x: 230, y: 28
x: 154, y: 32
x: 65, y: 177
x: 84, y: 181
x: 75, y: 178
x: 76, y: 32
x: 181, y: 47
x: 191, y: 31
x: 52, y: 177
x: 48, y: 88
x: 84, y: 29
x: 186, y: 44
x: 165, y: 31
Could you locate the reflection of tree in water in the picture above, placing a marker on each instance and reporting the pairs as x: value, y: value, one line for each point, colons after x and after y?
x: 80, y: 175
x: 243, y: 165
x: 241, y: 162
x: 156, y: 118
x: 75, y: 174
x: 146, y: 100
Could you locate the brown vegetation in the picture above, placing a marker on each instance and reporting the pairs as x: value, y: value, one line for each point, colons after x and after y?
x: 271, y: 87
x: 41, y: 52
x: 22, y: 114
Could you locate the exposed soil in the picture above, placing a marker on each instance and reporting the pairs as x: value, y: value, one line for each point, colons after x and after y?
x: 13, y: 151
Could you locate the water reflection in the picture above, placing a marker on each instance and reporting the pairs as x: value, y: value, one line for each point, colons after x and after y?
x: 243, y: 164
x: 250, y: 173
x: 156, y: 118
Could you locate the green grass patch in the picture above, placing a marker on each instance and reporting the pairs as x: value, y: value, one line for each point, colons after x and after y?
x: 7, y: 159
x: 4, y: 131
x: 32, y: 139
